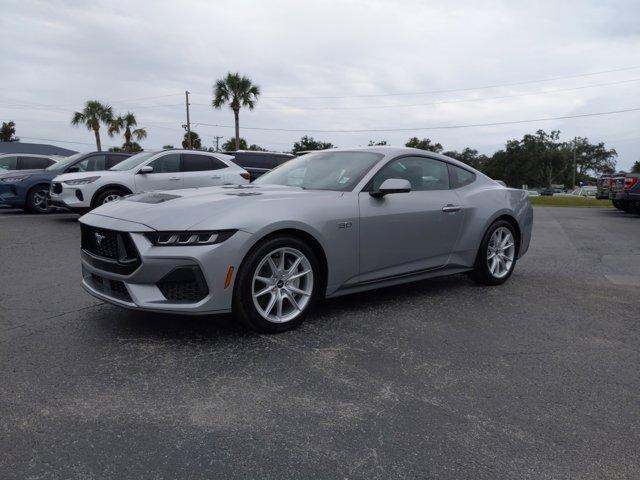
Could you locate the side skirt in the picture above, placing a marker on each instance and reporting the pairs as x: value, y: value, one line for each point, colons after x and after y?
x: 399, y: 279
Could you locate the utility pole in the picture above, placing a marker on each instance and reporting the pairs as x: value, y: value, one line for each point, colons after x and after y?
x: 186, y: 95
x: 217, y: 137
x: 575, y: 166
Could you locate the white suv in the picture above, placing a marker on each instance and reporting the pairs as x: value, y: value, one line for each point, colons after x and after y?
x: 165, y: 170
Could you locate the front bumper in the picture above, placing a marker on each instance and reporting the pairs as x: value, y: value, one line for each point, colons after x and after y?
x: 11, y: 196
x: 69, y: 197
x: 628, y: 196
x: 140, y: 290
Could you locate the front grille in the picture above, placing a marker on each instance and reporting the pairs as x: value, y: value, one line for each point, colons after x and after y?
x: 56, y: 187
x: 109, y: 250
x: 184, y: 285
x: 111, y: 288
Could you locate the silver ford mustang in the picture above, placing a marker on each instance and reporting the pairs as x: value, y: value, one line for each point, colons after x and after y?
x: 321, y: 225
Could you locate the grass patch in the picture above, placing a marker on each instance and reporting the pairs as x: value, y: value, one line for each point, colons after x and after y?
x: 565, y: 201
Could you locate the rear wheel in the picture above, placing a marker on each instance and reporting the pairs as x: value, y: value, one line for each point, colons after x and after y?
x: 497, y: 255
x: 109, y: 195
x: 38, y: 199
x: 277, y: 283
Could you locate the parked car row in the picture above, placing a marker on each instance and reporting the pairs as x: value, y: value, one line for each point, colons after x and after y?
x: 83, y: 181
x: 624, y: 192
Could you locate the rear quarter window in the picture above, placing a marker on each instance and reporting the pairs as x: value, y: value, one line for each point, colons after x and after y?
x: 460, y: 177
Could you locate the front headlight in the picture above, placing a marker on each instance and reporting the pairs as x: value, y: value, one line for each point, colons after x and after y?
x: 15, y: 179
x: 81, y: 181
x: 181, y: 239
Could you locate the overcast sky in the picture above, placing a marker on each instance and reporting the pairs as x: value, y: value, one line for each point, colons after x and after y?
x: 141, y: 56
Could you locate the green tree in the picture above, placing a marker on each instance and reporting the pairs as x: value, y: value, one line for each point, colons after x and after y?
x: 636, y: 167
x: 256, y: 148
x: 196, y: 142
x: 309, y: 143
x: 127, y: 123
x: 93, y: 114
x: 469, y: 156
x: 592, y: 158
x: 373, y: 143
x: 424, y: 144
x: 165, y: 147
x: 8, y: 132
x: 236, y: 91
x: 231, y: 144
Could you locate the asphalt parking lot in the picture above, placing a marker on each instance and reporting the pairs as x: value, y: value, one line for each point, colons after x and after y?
x: 538, y: 378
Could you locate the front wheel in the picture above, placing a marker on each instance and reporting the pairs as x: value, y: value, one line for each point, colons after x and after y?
x: 277, y: 283
x: 109, y: 195
x: 38, y: 199
x: 497, y: 255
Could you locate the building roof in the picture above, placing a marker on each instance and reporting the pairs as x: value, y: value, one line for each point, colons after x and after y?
x: 41, y: 148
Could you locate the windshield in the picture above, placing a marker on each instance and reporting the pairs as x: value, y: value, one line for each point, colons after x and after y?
x: 62, y: 164
x: 326, y: 170
x: 133, y: 162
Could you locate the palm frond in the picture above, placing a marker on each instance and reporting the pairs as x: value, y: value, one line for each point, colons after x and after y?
x: 140, y: 133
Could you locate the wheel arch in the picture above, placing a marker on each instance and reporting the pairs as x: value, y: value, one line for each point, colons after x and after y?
x: 514, y: 223
x: 306, y: 237
x: 114, y: 186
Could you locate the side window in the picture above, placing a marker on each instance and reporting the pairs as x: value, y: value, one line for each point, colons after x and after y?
x: 93, y: 163
x: 423, y: 173
x: 169, y: 163
x: 9, y: 163
x: 34, y: 162
x: 114, y: 160
x: 198, y: 163
x: 461, y: 177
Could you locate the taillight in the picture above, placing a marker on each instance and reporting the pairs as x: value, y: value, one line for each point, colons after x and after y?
x: 245, y: 175
x: 612, y: 182
x: 630, y: 182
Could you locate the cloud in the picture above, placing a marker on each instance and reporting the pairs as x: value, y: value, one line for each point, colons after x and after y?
x: 63, y: 53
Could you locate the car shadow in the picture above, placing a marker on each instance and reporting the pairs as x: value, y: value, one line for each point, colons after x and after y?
x: 118, y: 323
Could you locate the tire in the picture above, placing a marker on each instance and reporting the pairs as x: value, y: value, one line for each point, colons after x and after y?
x: 626, y: 207
x: 38, y: 199
x: 271, y: 310
x: 108, y: 195
x: 616, y: 204
x: 498, y: 271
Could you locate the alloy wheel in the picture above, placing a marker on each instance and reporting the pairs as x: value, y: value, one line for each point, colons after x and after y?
x: 41, y: 200
x: 111, y: 198
x: 282, y: 285
x: 501, y: 252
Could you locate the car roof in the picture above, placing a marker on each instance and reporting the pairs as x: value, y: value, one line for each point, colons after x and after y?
x: 389, y: 151
x: 258, y: 152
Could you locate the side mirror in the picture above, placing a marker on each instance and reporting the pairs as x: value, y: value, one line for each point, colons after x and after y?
x: 392, y: 185
x: 146, y: 169
x: 73, y: 169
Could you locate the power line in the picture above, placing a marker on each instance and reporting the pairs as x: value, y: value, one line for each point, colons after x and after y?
x: 484, y: 87
x: 468, y: 100
x: 440, y: 127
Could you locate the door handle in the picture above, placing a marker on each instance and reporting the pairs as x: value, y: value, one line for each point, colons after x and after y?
x: 174, y: 178
x: 216, y: 176
x: 451, y: 208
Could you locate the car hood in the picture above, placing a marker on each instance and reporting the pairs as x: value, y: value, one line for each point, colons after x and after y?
x: 242, y: 207
x: 77, y: 175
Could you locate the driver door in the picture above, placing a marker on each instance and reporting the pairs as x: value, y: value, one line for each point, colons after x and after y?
x: 166, y: 175
x: 404, y: 233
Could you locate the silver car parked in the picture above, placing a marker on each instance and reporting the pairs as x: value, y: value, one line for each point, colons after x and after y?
x: 321, y: 225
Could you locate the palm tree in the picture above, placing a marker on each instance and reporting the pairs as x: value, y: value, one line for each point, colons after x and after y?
x: 127, y: 122
x: 239, y: 92
x: 93, y: 114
